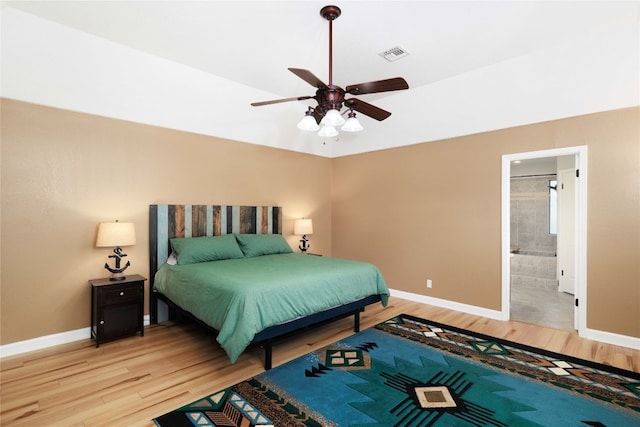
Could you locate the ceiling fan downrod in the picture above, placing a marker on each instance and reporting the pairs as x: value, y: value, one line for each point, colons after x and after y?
x: 330, y: 13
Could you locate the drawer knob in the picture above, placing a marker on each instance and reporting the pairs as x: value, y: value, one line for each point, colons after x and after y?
x: 102, y: 322
x: 121, y: 293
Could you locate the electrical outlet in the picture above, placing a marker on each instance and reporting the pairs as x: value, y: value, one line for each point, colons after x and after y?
x: 429, y: 283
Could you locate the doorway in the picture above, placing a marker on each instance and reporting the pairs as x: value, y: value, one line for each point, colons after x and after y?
x: 571, y: 240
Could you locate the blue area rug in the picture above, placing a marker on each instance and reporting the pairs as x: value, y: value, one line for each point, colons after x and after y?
x: 409, y: 371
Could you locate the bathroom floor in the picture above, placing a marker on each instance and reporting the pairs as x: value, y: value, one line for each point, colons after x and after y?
x: 542, y: 306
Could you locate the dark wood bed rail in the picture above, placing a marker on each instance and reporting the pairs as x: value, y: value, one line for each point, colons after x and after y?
x: 269, y: 336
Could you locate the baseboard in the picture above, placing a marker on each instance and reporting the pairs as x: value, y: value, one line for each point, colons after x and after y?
x: 451, y: 305
x: 48, y: 341
x: 611, y: 338
x: 44, y: 342
x: 592, y: 334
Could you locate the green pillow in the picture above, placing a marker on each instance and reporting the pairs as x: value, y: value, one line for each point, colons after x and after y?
x: 191, y: 250
x: 263, y: 244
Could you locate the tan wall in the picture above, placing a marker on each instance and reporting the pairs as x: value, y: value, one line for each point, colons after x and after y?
x: 63, y: 172
x: 425, y: 211
x: 433, y: 211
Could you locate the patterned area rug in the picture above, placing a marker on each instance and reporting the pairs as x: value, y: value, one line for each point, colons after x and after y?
x: 409, y: 371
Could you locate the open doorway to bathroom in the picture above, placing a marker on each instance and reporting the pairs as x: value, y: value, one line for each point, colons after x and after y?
x: 544, y: 237
x: 535, y: 293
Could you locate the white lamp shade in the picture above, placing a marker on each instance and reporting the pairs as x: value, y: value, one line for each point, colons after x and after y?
x: 332, y: 118
x: 308, y: 123
x: 303, y: 226
x: 112, y: 234
x: 327, y: 131
x: 352, y: 125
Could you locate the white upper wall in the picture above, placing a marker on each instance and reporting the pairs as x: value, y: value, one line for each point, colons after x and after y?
x: 587, y: 75
x: 50, y: 64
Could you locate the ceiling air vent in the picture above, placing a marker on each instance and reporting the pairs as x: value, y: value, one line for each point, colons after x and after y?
x: 394, y: 54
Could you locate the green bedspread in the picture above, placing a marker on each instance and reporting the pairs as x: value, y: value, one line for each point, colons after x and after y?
x: 241, y: 297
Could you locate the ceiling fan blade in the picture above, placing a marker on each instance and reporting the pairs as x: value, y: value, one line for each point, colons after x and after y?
x: 367, y: 109
x: 396, y: 83
x: 308, y: 77
x: 277, y: 101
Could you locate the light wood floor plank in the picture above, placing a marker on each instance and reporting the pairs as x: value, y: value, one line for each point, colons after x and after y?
x: 130, y: 381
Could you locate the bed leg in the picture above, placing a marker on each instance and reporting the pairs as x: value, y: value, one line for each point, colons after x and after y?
x: 356, y: 325
x: 153, y: 308
x: 268, y: 353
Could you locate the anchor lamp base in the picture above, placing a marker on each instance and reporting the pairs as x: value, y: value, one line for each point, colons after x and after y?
x: 304, y: 244
x: 116, y: 272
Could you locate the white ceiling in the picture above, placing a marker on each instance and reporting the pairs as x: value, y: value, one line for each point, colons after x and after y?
x: 253, y: 42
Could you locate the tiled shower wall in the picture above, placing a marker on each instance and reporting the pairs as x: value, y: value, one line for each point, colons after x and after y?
x: 535, y: 264
x: 534, y: 271
x: 530, y: 216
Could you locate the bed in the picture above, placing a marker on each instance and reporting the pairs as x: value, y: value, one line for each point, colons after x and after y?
x: 229, y: 269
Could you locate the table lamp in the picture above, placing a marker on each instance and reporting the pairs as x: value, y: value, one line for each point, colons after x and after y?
x: 116, y: 234
x: 303, y: 227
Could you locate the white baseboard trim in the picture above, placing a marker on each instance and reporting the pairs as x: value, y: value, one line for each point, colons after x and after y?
x: 44, y: 342
x: 48, y: 341
x: 451, y: 305
x: 592, y: 334
x: 611, y: 338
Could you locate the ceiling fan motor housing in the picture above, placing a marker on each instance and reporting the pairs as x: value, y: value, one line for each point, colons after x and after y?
x: 330, y: 97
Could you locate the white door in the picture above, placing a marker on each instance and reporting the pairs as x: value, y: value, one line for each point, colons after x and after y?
x: 566, y: 233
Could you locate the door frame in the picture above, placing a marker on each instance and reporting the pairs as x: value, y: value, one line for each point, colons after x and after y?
x: 580, y: 153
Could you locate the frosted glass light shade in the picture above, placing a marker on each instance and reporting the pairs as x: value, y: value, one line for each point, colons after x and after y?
x: 308, y: 123
x: 352, y: 125
x: 332, y: 118
x: 113, y: 234
x: 303, y: 226
x: 327, y: 131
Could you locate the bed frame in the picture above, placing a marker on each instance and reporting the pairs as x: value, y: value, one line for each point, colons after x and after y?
x: 169, y: 221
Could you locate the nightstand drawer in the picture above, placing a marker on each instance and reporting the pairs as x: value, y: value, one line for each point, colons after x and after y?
x: 120, y: 294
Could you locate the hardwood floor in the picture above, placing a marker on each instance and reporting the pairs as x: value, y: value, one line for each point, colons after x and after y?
x: 130, y: 381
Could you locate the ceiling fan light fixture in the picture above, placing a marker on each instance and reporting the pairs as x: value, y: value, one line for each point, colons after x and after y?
x: 352, y: 124
x: 331, y: 98
x: 332, y: 118
x: 308, y: 122
x: 327, y: 132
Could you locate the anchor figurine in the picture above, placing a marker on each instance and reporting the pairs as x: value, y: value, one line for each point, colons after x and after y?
x: 117, y: 271
x: 304, y: 244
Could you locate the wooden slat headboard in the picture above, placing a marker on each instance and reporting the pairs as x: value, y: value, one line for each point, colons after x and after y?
x: 169, y: 221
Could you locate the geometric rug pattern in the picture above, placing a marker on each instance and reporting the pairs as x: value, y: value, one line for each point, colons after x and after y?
x: 409, y: 371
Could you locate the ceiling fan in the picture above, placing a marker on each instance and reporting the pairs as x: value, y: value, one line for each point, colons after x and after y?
x: 331, y: 98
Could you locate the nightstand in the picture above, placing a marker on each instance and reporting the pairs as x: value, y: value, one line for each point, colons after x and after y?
x: 117, y: 308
